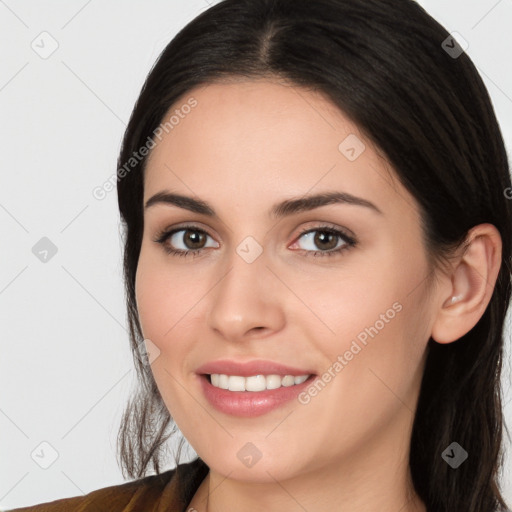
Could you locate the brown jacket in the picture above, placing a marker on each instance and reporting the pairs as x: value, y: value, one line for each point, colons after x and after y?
x: 170, y: 491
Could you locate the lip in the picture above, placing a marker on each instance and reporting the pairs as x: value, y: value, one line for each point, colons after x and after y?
x: 249, y: 404
x: 248, y: 368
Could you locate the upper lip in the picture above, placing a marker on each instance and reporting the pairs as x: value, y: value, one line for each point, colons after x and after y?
x: 248, y: 368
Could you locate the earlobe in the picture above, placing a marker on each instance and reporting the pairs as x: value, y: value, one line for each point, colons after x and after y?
x: 471, y: 286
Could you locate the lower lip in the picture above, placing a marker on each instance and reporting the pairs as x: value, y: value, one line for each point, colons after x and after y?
x: 249, y: 404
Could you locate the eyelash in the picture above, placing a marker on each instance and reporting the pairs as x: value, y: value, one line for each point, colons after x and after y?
x: 164, y: 235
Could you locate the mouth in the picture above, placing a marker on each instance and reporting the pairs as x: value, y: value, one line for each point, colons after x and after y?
x: 254, y: 383
x: 251, y: 388
x: 253, y: 395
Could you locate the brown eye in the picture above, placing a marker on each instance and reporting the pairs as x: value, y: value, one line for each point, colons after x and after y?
x: 194, y: 239
x: 183, y: 241
x: 325, y: 241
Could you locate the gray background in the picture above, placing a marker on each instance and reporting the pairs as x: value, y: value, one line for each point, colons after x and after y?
x: 65, y: 367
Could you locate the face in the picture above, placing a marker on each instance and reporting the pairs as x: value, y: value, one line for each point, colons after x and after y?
x: 336, y: 291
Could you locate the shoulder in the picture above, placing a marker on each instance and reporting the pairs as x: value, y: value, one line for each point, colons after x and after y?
x: 116, y: 497
x: 128, y: 497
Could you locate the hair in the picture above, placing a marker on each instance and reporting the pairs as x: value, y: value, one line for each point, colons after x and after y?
x: 383, y: 64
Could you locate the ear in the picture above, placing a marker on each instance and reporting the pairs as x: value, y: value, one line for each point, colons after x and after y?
x: 464, y: 298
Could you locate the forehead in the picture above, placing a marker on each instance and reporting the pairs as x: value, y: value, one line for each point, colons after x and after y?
x: 256, y: 112
x: 265, y: 139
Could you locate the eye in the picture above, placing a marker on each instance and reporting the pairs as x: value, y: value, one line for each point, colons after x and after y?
x: 191, y: 238
x: 330, y: 240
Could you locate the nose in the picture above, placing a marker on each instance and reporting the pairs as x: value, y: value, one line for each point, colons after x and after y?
x: 247, y: 301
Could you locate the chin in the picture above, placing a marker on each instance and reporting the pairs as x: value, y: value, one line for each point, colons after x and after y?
x: 238, y: 465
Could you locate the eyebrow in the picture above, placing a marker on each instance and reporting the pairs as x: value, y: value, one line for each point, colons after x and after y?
x: 285, y: 208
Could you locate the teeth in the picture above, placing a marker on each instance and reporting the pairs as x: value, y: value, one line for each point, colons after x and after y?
x: 254, y: 383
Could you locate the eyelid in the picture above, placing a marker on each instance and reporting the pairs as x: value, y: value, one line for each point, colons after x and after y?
x: 320, y: 225
x: 193, y: 225
x: 313, y: 225
x: 167, y: 232
x: 344, y: 234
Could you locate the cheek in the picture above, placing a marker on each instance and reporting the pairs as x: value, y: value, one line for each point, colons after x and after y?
x: 163, y: 294
x: 376, y: 316
x: 164, y: 308
x: 170, y: 313
x: 152, y: 301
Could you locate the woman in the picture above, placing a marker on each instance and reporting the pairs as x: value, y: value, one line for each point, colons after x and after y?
x: 359, y: 375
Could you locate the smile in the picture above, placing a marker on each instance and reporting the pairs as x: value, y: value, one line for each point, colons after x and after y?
x: 254, y: 383
x: 249, y: 396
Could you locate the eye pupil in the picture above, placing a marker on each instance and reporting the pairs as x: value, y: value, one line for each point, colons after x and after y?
x: 321, y: 237
x: 195, y: 238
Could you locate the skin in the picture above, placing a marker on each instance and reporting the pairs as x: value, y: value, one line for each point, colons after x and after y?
x: 245, y: 146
